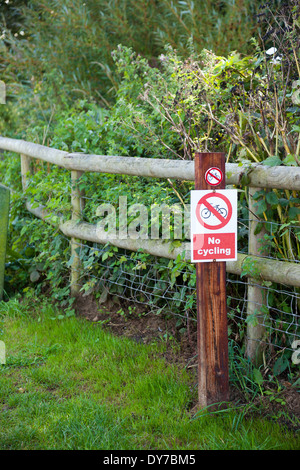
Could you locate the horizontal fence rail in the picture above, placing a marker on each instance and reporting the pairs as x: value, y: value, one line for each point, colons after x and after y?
x: 260, y: 176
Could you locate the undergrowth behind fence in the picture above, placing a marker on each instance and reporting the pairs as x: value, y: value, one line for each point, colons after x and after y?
x: 136, y: 270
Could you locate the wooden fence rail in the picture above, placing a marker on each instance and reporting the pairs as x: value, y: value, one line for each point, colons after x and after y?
x: 258, y: 176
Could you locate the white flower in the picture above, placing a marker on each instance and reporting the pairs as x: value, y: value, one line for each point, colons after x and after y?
x: 163, y: 58
x: 276, y: 59
x: 271, y: 51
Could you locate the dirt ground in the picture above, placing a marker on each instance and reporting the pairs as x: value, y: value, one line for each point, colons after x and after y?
x: 145, y: 327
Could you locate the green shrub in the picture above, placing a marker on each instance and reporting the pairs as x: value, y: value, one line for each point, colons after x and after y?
x: 69, y: 43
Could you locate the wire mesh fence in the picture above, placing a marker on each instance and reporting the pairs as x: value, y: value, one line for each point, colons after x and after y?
x: 164, y: 287
x: 169, y: 286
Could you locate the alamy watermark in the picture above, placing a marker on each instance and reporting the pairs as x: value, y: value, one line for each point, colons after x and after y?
x: 2, y: 92
x: 296, y: 353
x: 159, y: 221
x: 2, y: 353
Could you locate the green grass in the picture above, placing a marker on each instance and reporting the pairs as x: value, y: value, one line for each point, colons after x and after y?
x: 69, y: 384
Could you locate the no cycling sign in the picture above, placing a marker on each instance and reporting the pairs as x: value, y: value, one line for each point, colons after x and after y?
x: 213, y: 225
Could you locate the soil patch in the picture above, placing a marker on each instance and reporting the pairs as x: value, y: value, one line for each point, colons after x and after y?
x: 135, y: 322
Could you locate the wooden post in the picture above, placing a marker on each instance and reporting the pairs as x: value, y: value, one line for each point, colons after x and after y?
x: 77, y: 207
x: 25, y: 170
x: 256, y: 296
x: 213, y: 377
x: 4, y: 215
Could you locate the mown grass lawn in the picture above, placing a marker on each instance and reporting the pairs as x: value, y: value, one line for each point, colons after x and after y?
x: 69, y: 384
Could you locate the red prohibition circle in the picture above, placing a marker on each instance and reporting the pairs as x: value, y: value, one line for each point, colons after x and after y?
x: 223, y: 221
x: 219, y: 179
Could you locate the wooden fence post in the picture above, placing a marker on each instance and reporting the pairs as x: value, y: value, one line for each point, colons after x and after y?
x: 77, y: 207
x: 256, y: 297
x: 213, y: 376
x: 4, y: 215
x: 25, y: 170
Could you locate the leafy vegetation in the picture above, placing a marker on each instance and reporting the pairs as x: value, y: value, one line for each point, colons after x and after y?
x: 67, y: 45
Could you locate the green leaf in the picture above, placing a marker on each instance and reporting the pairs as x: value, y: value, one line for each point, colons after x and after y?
x: 293, y: 109
x: 258, y: 378
x: 297, y: 383
x: 252, y: 319
x: 261, y: 206
x: 283, y: 202
x: 293, y: 212
x: 280, y: 365
x: 34, y: 276
x: 272, y: 161
x: 245, y: 180
x: 258, y: 228
x: 272, y: 198
x: 70, y: 262
x: 289, y: 160
x: 13, y: 254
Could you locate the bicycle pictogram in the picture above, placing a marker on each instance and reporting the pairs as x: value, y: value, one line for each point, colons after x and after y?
x: 214, y: 211
x: 206, y: 213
